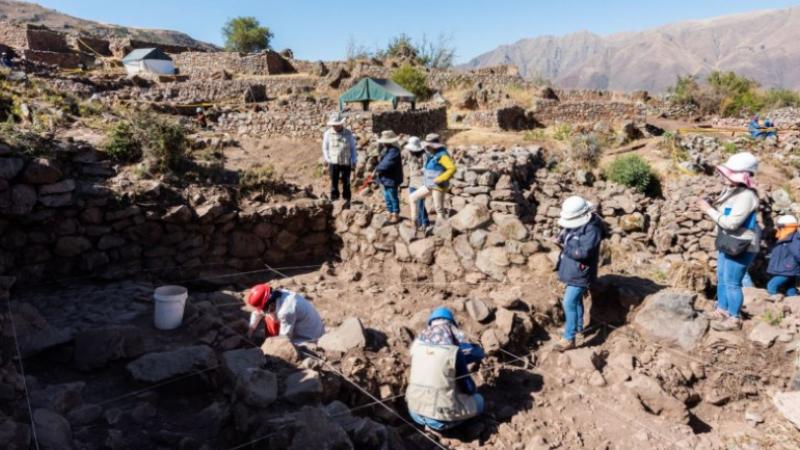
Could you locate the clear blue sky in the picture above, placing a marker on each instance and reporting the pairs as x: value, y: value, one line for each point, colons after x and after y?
x: 320, y: 29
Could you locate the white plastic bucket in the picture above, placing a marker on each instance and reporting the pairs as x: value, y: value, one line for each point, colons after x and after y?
x: 170, y: 302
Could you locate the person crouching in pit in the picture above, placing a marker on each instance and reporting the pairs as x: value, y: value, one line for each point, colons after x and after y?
x: 784, y: 259
x: 577, y: 263
x: 441, y: 394
x: 284, y: 313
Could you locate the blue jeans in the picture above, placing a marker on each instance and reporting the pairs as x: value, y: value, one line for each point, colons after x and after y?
x: 422, y: 215
x: 747, y: 281
x: 730, y: 273
x: 779, y: 281
x: 392, y: 199
x: 573, y: 311
x: 438, y: 425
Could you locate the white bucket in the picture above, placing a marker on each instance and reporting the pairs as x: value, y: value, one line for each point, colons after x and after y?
x: 170, y: 302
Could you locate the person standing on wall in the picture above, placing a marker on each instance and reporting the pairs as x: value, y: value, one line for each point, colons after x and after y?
x: 738, y: 236
x: 390, y: 172
x: 577, y: 263
x: 340, y: 156
x: 413, y: 157
x: 437, y: 170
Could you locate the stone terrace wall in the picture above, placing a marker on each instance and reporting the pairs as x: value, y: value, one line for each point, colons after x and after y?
x: 220, y: 90
x: 549, y: 112
x: 204, y: 64
x: 121, y: 47
x: 416, y: 123
x: 44, y: 39
x: 59, y: 217
x: 93, y: 45
x: 306, y: 119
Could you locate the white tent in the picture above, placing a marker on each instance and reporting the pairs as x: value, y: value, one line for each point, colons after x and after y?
x: 148, y: 61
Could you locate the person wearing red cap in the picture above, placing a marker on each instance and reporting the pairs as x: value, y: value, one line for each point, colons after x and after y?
x: 284, y: 313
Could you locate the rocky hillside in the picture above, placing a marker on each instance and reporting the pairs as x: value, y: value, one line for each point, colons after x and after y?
x: 758, y: 45
x: 24, y: 12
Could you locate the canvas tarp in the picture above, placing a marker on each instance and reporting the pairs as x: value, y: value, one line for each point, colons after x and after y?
x: 153, y: 66
x: 374, y: 89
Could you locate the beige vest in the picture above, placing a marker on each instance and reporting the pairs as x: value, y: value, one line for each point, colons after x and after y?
x: 338, y: 149
x: 432, y: 390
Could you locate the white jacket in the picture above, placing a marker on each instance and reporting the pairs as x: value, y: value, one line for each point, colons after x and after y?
x: 299, y: 320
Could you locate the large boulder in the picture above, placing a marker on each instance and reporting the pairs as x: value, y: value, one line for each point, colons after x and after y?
x: 511, y: 227
x: 52, y: 430
x: 423, y: 250
x: 281, y: 348
x: 41, y: 171
x: 156, y: 367
x: 256, y: 387
x: 315, y: 429
x: 349, y: 335
x: 10, y: 167
x: 470, y: 217
x: 493, y: 261
x: 303, y: 386
x: 669, y: 317
x: 657, y: 401
x: 234, y: 362
x: 788, y: 404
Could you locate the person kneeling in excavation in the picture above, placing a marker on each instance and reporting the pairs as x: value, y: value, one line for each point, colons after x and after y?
x: 784, y: 259
x: 284, y: 313
x: 577, y: 264
x: 441, y: 394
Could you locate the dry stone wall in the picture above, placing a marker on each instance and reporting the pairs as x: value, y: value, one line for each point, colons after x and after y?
x: 61, y: 217
x: 205, y: 64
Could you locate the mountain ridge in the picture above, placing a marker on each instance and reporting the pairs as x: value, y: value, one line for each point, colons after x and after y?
x: 757, y: 44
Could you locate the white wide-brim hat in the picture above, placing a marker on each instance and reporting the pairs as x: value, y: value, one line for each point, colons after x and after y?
x: 414, y: 145
x: 575, y: 213
x: 336, y: 119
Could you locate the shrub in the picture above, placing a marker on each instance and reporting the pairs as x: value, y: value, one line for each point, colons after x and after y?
x: 122, y: 144
x: 634, y: 172
x: 164, y: 143
x: 562, y: 132
x: 245, y: 34
x: 413, y: 79
x: 585, y: 149
x: 779, y: 98
x: 258, y: 178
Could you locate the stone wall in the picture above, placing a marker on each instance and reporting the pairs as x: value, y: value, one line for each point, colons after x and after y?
x: 62, y: 217
x: 63, y: 60
x: 219, y: 90
x: 44, y: 39
x: 13, y: 36
x: 205, y: 64
x: 416, y: 123
x: 93, y: 45
x: 121, y: 47
x: 551, y: 112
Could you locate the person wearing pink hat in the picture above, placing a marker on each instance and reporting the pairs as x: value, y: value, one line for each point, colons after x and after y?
x: 738, y: 236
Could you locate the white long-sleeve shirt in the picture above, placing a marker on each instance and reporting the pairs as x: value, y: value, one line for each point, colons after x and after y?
x: 326, y: 146
x: 299, y: 320
x: 734, y: 207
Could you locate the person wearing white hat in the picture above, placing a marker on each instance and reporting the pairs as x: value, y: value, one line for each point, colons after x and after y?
x: 340, y: 156
x: 577, y: 264
x: 414, y: 161
x: 437, y: 170
x: 390, y: 172
x: 738, y: 236
x: 784, y: 259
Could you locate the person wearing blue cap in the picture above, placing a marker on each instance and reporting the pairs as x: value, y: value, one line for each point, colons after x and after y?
x: 441, y: 394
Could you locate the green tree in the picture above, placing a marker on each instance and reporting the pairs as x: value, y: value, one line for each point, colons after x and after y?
x: 245, y: 34
x: 413, y: 79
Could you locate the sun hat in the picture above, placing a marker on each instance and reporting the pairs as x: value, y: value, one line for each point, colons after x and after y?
x: 336, y: 119
x: 740, y: 168
x: 787, y: 219
x: 575, y: 212
x: 414, y: 145
x: 433, y: 140
x: 388, y: 137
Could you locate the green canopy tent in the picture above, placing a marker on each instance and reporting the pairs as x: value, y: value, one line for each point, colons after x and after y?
x: 375, y: 89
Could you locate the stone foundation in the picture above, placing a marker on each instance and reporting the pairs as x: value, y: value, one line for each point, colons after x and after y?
x: 61, y: 217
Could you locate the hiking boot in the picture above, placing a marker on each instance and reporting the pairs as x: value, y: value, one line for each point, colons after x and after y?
x: 729, y: 324
x: 716, y: 314
x: 563, y: 345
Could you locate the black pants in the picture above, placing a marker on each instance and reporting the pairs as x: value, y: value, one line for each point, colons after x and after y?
x: 340, y: 171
